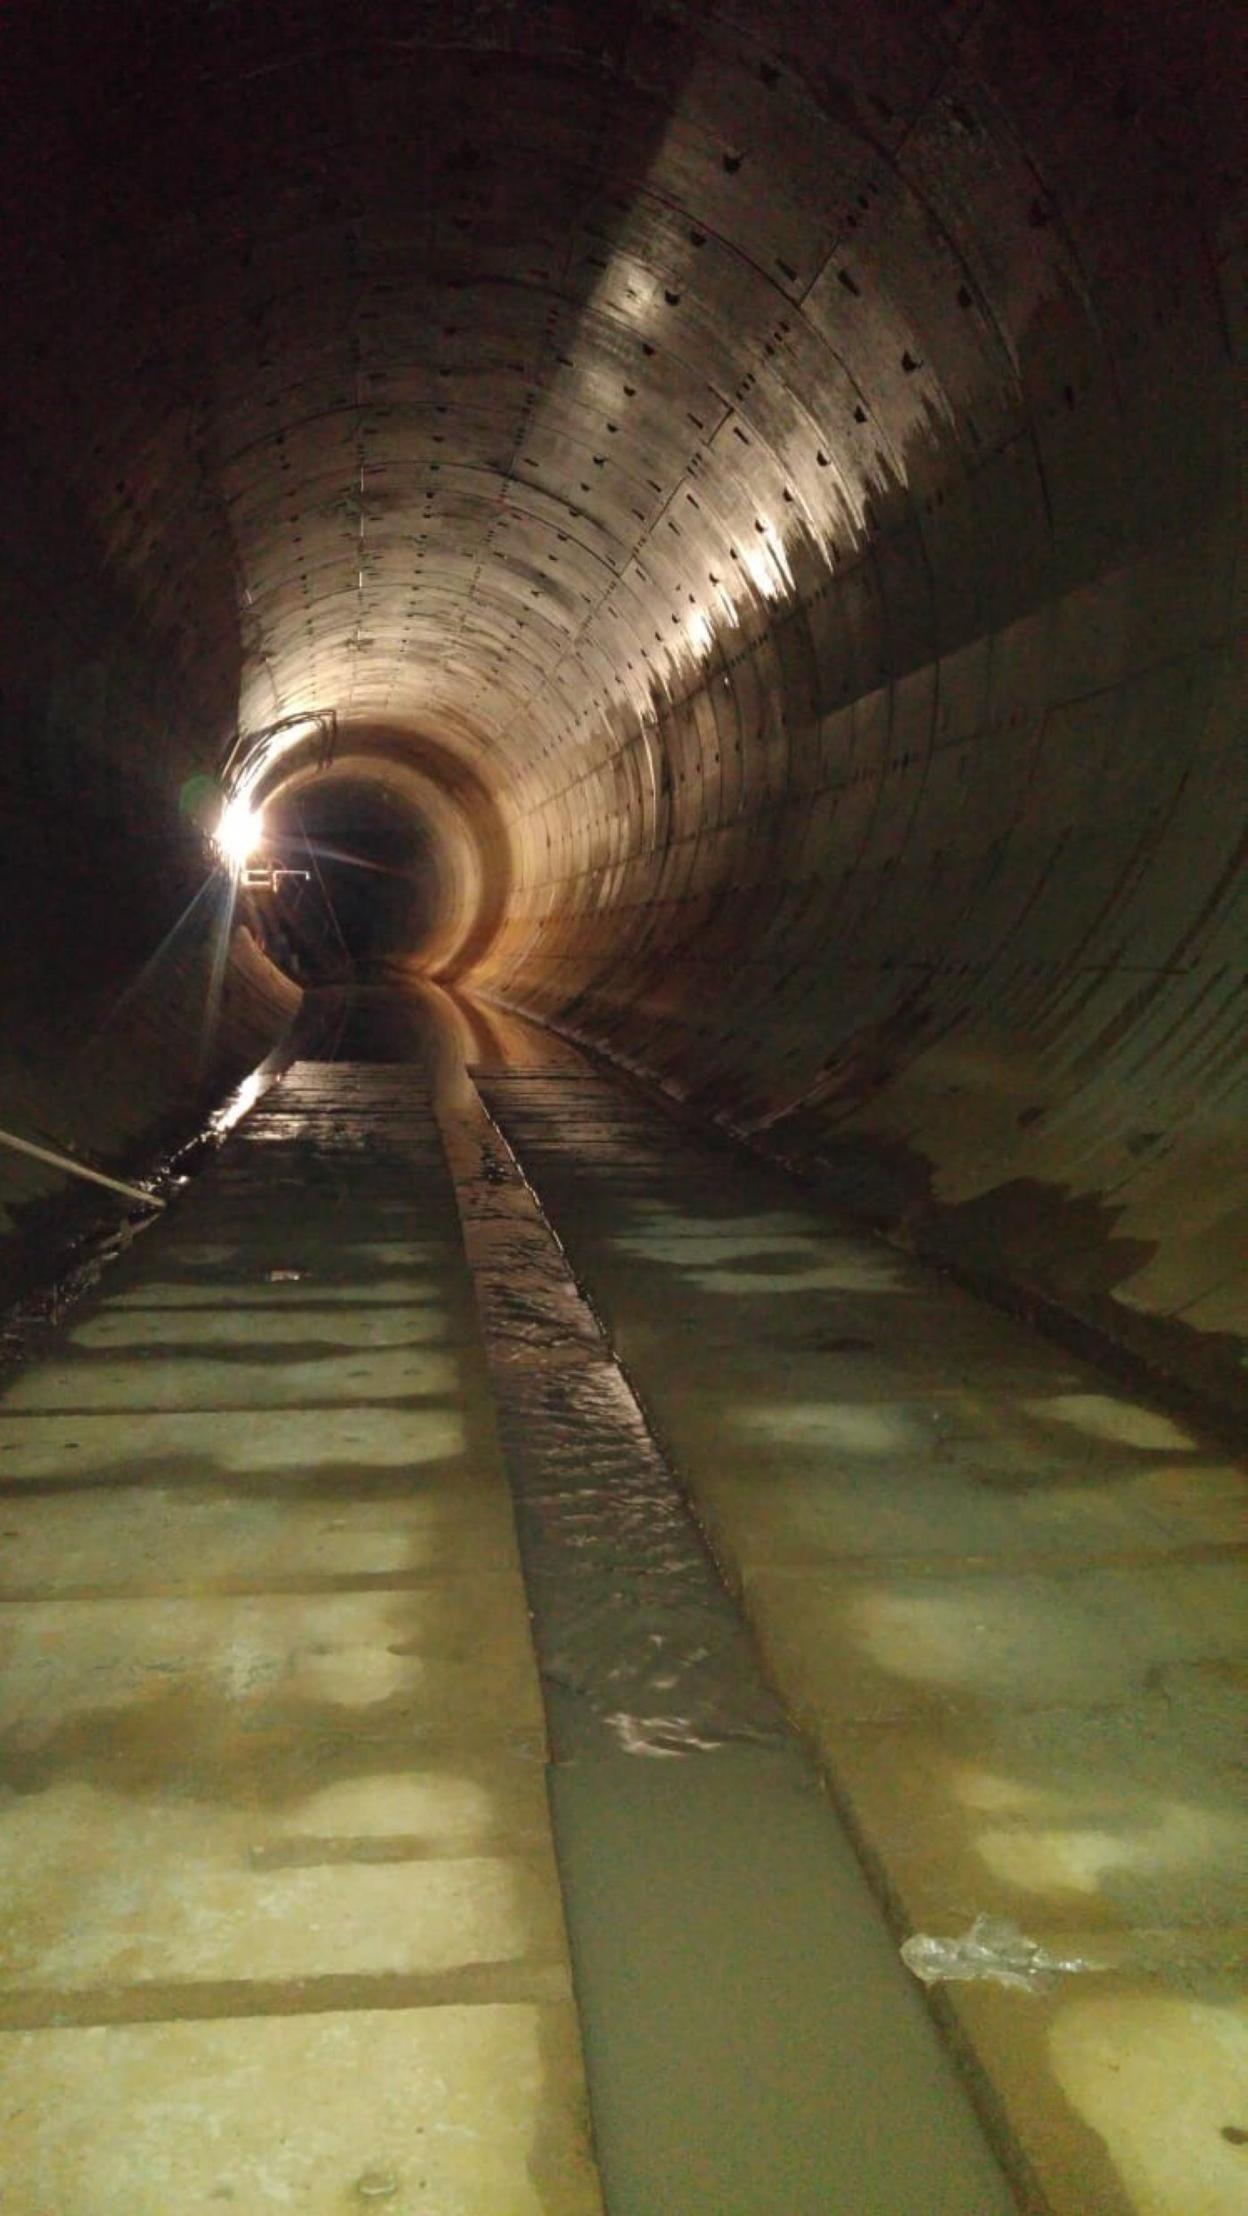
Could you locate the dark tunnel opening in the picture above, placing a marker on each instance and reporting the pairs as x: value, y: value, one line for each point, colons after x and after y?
x: 363, y: 886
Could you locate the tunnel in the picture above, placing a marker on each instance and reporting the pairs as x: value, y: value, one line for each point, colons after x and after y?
x: 700, y: 542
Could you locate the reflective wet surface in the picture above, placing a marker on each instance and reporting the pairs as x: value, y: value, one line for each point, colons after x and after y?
x: 1003, y: 1596
x: 282, y: 1927
x: 750, y: 2037
x: 475, y: 1477
x: 640, y: 1646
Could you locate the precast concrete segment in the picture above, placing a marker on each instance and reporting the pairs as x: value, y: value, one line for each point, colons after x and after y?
x: 282, y: 1920
x: 750, y: 2040
x: 1004, y: 1598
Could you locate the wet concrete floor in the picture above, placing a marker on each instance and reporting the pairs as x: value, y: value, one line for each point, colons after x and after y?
x: 284, y: 1732
x: 1003, y: 1597
x: 282, y: 1927
x: 752, y: 2041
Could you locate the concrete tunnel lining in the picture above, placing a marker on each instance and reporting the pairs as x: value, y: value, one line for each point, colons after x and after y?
x: 785, y: 459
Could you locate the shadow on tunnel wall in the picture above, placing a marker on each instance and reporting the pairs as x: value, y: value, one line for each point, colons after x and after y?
x: 131, y: 999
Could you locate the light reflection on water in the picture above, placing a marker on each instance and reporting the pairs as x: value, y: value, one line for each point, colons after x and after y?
x: 240, y: 1101
x: 641, y: 1649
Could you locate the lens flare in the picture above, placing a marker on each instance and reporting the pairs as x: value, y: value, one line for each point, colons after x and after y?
x: 238, y: 833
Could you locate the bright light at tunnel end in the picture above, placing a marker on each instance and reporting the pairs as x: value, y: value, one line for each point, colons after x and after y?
x: 239, y: 831
x: 240, y: 826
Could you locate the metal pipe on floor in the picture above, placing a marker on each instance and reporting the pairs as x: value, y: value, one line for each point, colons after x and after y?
x: 78, y: 1169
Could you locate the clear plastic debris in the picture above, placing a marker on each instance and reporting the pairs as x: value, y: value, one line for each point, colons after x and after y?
x: 993, y: 1949
x: 377, y: 2185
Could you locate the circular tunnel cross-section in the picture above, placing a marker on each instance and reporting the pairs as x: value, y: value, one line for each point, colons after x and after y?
x: 372, y: 863
x: 756, y: 488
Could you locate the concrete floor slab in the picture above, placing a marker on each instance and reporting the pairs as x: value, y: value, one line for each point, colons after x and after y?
x: 181, y: 1382
x: 336, y: 1254
x: 305, y: 1328
x: 472, y: 2111
x: 1119, y: 1818
x: 458, y: 1650
x: 263, y: 1291
x: 815, y: 1512
x: 1079, y: 1637
x: 103, y: 1890
x: 441, y: 1445
x: 1151, y: 2068
x: 183, y: 1541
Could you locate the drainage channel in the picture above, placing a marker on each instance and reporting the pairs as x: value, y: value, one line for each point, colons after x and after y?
x: 752, y: 2045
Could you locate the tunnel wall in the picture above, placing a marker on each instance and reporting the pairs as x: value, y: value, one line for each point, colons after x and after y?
x: 784, y: 455
x: 118, y: 679
x: 932, y: 878
x: 127, y: 1009
x: 112, y: 1085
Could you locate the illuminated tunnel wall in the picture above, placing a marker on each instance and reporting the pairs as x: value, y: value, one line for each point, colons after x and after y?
x: 767, y: 473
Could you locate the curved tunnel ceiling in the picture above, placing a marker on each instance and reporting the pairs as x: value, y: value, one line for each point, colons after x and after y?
x: 785, y: 457
x: 482, y: 361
